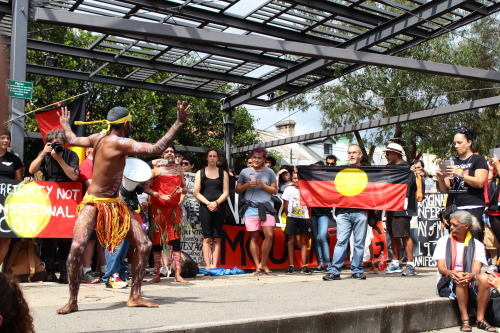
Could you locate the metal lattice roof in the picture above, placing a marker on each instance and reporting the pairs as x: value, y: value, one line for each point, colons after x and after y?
x: 246, y: 51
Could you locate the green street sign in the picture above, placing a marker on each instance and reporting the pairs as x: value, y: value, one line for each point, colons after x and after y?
x: 20, y: 89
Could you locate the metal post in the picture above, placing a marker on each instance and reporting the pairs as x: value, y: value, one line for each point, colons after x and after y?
x: 228, y: 136
x: 20, y: 12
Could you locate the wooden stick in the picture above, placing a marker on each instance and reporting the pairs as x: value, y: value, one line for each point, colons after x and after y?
x: 43, y: 107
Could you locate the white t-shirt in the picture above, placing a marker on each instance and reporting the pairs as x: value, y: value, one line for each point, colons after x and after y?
x: 440, y: 252
x: 292, y: 195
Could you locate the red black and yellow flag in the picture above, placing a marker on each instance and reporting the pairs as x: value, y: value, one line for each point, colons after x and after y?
x: 363, y: 187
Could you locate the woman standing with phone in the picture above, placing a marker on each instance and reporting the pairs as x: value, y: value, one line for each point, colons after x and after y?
x: 464, y: 180
x: 211, y: 188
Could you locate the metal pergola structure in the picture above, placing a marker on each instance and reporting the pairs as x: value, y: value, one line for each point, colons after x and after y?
x: 256, y: 52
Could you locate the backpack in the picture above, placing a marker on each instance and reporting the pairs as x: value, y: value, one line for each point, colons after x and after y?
x: 189, y: 267
x: 419, y: 193
x: 24, y: 263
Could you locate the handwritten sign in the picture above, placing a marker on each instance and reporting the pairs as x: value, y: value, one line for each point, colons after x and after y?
x: 191, y: 205
x: 428, y: 228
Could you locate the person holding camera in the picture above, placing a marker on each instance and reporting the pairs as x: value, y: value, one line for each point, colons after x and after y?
x: 57, y: 164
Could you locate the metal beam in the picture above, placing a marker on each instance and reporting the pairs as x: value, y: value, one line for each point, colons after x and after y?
x: 167, y: 6
x: 137, y: 62
x: 211, y: 49
x: 68, y: 74
x: 480, y: 103
x: 19, y: 33
x: 191, y: 149
x: 405, y: 22
x: 438, y: 32
x: 109, y: 24
x: 354, y: 14
x: 269, y: 84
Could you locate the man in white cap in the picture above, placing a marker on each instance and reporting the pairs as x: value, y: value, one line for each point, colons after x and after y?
x: 398, y: 223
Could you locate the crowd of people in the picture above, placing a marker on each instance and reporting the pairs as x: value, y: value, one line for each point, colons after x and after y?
x: 129, y: 224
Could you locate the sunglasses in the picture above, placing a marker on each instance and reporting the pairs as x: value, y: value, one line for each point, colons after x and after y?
x: 331, y: 164
x: 469, y: 134
x: 184, y: 163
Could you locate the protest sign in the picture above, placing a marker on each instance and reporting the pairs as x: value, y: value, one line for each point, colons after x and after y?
x: 38, y: 209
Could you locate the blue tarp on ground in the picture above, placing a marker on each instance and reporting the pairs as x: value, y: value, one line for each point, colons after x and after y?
x: 222, y: 271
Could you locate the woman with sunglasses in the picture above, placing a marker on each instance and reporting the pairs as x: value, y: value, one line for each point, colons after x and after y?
x: 465, y: 179
x: 211, y: 188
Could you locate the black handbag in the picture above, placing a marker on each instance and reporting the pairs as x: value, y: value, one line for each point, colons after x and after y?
x: 449, y: 210
x: 444, y: 286
x: 492, y: 314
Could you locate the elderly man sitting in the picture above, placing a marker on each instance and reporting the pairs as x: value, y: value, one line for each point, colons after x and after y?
x: 459, y: 259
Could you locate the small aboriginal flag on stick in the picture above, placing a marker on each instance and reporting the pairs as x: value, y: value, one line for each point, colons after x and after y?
x: 364, y: 187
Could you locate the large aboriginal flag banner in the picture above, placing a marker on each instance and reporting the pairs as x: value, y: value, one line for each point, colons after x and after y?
x: 364, y: 187
x: 38, y: 209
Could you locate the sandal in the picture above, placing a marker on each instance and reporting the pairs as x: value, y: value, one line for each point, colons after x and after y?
x: 466, y: 326
x: 257, y: 273
x: 483, y: 324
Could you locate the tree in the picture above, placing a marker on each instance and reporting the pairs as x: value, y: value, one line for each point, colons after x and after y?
x: 153, y: 112
x: 373, y: 93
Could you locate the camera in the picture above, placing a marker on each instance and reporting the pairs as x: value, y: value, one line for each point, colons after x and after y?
x: 58, y: 147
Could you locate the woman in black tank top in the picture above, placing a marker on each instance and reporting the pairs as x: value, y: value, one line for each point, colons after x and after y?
x: 211, y: 188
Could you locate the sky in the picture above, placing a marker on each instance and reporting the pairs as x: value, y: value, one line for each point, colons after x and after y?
x: 307, y: 122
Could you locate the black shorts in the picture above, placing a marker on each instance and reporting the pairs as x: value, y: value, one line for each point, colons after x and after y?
x: 296, y: 226
x: 398, y: 226
x: 211, y: 222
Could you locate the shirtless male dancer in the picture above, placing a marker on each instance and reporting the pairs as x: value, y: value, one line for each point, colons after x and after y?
x: 102, y: 208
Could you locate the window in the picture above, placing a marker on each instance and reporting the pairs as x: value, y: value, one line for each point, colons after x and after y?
x: 328, y: 148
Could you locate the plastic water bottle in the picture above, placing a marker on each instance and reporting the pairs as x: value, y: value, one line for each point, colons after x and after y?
x: 382, y: 265
x: 450, y: 176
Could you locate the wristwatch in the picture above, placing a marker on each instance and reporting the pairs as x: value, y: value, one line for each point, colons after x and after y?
x: 461, y: 176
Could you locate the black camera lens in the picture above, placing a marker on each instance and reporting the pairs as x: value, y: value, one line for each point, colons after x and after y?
x: 58, y: 147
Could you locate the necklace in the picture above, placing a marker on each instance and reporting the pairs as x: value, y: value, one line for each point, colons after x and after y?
x: 467, y: 161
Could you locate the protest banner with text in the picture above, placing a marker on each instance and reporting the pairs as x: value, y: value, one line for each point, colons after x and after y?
x: 38, y: 209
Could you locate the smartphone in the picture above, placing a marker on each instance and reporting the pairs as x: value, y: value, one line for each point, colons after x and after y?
x: 495, y: 153
x: 252, y: 177
x: 442, y: 166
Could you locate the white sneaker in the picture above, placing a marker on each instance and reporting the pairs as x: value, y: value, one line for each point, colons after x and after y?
x: 391, y: 268
x: 115, y: 282
x: 165, y: 271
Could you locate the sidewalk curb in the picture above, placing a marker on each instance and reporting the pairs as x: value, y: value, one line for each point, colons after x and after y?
x: 401, y: 317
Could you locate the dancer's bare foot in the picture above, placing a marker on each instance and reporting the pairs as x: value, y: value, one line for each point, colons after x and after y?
x: 180, y: 279
x: 138, y: 301
x: 265, y: 269
x: 71, y: 306
x: 156, y: 279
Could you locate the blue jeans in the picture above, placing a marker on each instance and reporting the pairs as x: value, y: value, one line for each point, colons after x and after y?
x: 350, y: 220
x: 319, y: 227
x: 115, y: 262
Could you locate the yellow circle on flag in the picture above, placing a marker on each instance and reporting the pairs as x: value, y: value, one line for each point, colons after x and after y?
x: 30, y: 212
x: 351, y: 181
